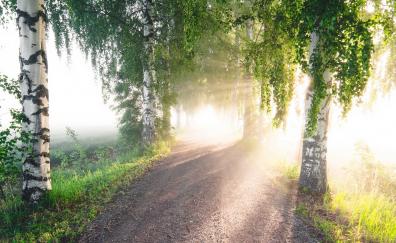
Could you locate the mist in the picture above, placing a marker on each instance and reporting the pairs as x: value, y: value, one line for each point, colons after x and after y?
x: 77, y: 102
x: 75, y: 93
x: 197, y: 121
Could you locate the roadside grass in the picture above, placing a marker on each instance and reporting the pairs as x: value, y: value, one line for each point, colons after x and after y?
x: 349, y: 217
x: 358, y: 208
x: 372, y: 217
x: 77, y: 196
x: 290, y: 170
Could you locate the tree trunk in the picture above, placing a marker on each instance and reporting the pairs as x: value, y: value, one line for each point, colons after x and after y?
x: 166, y: 102
x: 250, y: 113
x: 31, y: 21
x: 249, y: 29
x: 313, y: 174
x: 249, y: 116
x: 178, y: 116
x: 237, y: 89
x: 149, y: 99
x: 166, y: 108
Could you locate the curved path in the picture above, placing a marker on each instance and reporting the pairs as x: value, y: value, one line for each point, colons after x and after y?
x: 212, y: 193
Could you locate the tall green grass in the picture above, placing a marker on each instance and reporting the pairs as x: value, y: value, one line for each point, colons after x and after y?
x: 76, y: 198
x: 372, y: 217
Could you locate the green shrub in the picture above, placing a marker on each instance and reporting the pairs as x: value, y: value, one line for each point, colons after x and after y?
x: 12, y: 138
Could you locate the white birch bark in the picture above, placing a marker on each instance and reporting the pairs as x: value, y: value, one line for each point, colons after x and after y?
x: 31, y: 21
x: 249, y: 29
x: 149, y: 99
x: 313, y: 174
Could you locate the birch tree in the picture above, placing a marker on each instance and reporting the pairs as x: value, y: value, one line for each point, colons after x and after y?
x: 31, y: 21
x: 123, y: 40
x: 334, y: 46
x: 149, y: 98
x: 314, y: 151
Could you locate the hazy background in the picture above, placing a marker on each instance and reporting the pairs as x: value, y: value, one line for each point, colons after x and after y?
x: 75, y: 96
x: 76, y: 101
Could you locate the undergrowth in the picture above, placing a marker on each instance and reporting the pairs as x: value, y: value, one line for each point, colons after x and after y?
x: 359, y: 208
x: 77, y: 196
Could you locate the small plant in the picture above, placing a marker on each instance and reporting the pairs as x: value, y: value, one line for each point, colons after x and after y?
x: 302, y: 210
x: 292, y: 172
x: 14, y: 143
x: 331, y: 231
x: 78, y: 157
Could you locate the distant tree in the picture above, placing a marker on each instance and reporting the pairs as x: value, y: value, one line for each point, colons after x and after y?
x: 139, y: 49
x: 149, y: 98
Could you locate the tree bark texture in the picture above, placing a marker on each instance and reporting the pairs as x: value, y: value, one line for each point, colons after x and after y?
x: 149, y: 98
x: 313, y: 176
x: 31, y: 21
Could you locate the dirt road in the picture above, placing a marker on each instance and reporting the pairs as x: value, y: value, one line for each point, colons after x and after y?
x: 204, y: 193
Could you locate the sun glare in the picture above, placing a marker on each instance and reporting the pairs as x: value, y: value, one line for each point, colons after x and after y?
x: 207, y: 123
x: 370, y: 7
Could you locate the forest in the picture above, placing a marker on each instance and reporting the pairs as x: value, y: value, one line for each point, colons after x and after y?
x: 204, y: 121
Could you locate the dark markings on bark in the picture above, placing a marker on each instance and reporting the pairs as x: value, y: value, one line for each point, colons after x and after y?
x: 43, y: 135
x: 43, y: 154
x: 45, y: 138
x: 31, y: 161
x: 33, y: 59
x: 24, y: 75
x: 31, y: 20
x: 43, y: 111
x: 43, y: 130
x: 29, y: 191
x: 41, y: 91
x: 30, y: 177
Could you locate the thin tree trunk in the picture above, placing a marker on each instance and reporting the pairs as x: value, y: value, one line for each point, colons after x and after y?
x: 178, y: 116
x: 250, y: 114
x: 313, y: 174
x: 149, y: 99
x: 249, y: 29
x: 236, y: 90
x: 166, y: 103
x: 166, y: 106
x: 31, y: 21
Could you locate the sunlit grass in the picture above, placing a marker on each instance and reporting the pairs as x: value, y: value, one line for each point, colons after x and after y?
x: 361, y: 204
x: 76, y: 198
x: 290, y: 170
x: 331, y: 230
x: 353, y: 217
x: 371, y: 216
